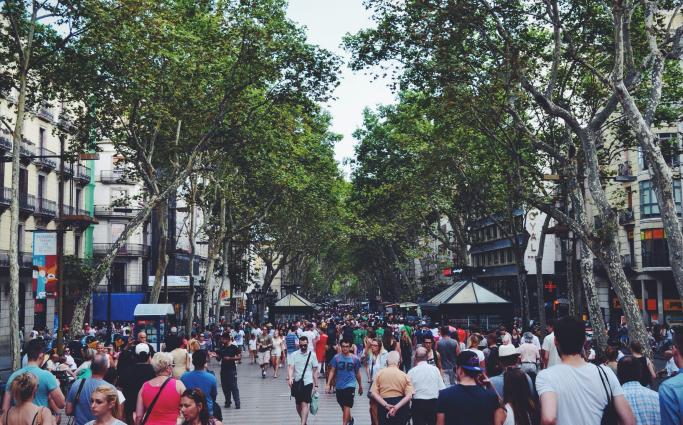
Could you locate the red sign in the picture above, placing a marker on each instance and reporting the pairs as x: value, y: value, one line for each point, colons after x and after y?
x: 448, y: 272
x: 550, y: 286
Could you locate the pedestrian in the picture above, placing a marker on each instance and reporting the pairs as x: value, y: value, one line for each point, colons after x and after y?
x: 78, y: 400
x: 574, y: 391
x: 377, y: 360
x: 265, y: 345
x: 164, y: 389
x: 133, y: 377
x: 611, y: 362
x: 276, y: 351
x: 359, y: 335
x: 345, y: 373
x: 648, y: 370
x: 252, y: 348
x: 427, y: 382
x: 321, y: 352
x: 473, y: 346
x: 105, y: 406
x: 392, y: 390
x: 508, y: 359
x: 529, y: 355
x: 181, y: 358
x: 25, y: 411
x: 228, y: 355
x: 48, y: 392
x: 202, y: 379
x: 643, y: 401
x: 292, y: 340
x: 433, y: 357
x: 142, y: 339
x: 448, y: 350
x: 518, y: 401
x: 302, y: 377
x: 194, y: 408
x: 471, y: 401
x: 549, y: 353
x: 406, y: 350
x: 671, y: 390
x: 491, y: 354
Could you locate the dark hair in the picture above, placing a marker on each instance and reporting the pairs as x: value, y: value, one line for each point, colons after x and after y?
x: 678, y: 337
x: 570, y: 334
x: 345, y: 341
x: 198, y: 397
x: 199, y: 359
x: 387, y: 338
x: 629, y: 369
x: 142, y: 356
x: 172, y: 342
x: 516, y: 392
x: 34, y: 348
x: 611, y: 353
x: 445, y: 331
x: 303, y: 338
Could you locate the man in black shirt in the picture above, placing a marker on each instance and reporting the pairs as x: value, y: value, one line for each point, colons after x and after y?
x: 229, y: 353
x: 133, y: 377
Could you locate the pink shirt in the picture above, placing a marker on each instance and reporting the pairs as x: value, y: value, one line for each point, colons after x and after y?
x: 165, y: 411
x: 528, y: 353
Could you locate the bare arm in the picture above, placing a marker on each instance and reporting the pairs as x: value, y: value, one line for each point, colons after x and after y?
x: 440, y: 419
x: 330, y: 378
x: 57, y: 398
x: 624, y: 411
x: 47, y: 417
x: 499, y: 416
x: 139, y: 408
x: 549, y: 408
x: 6, y: 402
x: 359, y: 379
x: 69, y: 409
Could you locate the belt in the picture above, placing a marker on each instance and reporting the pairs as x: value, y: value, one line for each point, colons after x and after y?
x: 529, y: 362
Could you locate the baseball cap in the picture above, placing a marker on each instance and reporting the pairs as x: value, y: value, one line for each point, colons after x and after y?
x: 142, y: 348
x: 507, y: 350
x: 469, y: 360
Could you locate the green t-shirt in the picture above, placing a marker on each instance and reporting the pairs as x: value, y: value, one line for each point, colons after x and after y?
x: 409, y: 330
x: 358, y: 336
x: 379, y: 332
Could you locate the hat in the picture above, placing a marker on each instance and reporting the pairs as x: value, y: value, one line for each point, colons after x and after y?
x: 507, y: 350
x: 142, y: 348
x: 469, y: 360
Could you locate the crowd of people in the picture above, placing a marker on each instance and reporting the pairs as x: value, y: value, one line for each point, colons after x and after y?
x: 410, y: 371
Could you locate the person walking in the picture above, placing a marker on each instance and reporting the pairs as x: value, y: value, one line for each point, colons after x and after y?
x: 105, y: 406
x: 164, y: 389
x: 406, y: 345
x: 643, y: 401
x: 574, y: 391
x: 427, y: 382
x: 276, y: 351
x: 448, y: 350
x: 377, y: 360
x: 671, y: 390
x: 132, y: 378
x: 392, y: 390
x: 194, y: 410
x: 471, y: 401
x: 518, y: 401
x: 529, y: 355
x: 200, y: 378
x: 508, y: 359
x: 181, y: 358
x: 550, y: 356
x: 302, y: 377
x: 228, y: 355
x: 23, y: 391
x: 265, y: 345
x: 648, y: 374
x: 433, y: 357
x: 78, y: 401
x: 344, y: 372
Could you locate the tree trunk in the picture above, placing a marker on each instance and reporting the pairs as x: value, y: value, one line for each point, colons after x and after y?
x: 594, y: 312
x: 161, y: 212
x: 190, y: 305
x: 226, y: 258
x: 539, y: 275
x: 571, y: 283
x: 208, y: 283
x: 214, y: 250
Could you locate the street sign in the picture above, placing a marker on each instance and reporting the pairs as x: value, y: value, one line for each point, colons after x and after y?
x: 87, y: 156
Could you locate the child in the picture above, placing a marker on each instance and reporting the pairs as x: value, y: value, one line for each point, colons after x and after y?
x: 252, y: 348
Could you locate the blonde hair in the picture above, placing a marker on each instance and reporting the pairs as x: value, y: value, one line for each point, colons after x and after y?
x: 194, y: 346
x: 24, y: 387
x: 111, y: 394
x: 161, y: 361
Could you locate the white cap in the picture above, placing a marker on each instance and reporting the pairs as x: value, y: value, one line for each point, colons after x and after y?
x: 142, y: 348
x: 507, y: 350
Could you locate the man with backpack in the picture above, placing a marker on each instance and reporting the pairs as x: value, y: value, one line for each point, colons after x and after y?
x: 345, y: 372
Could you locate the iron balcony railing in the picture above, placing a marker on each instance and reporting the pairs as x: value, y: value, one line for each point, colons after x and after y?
x: 83, y: 173
x: 25, y: 259
x: 5, y: 143
x: 71, y: 210
x: 46, y: 162
x: 27, y: 202
x: 114, y: 176
x: 107, y: 211
x: 45, y: 113
x: 126, y: 250
x: 45, y: 207
x: 5, y: 196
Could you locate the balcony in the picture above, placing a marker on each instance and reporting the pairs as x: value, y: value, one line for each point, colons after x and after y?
x: 106, y: 211
x: 46, y: 163
x: 46, y: 208
x: 5, y: 141
x: 27, y: 203
x: 27, y: 151
x: 127, y: 250
x: 25, y: 259
x: 70, y: 210
x: 115, y: 176
x: 68, y: 170
x: 5, y: 197
x: 45, y: 114
x: 626, y: 217
x: 82, y: 174
x: 625, y: 173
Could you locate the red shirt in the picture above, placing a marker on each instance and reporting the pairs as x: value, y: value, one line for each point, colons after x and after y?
x: 320, y: 347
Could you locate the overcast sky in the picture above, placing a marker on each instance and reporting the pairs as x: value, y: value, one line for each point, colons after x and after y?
x: 327, y: 21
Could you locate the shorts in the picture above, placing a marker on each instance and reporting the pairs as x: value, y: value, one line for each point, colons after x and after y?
x: 264, y: 357
x: 345, y: 396
x: 305, y: 395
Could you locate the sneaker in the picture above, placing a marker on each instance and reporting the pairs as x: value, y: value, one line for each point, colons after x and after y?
x: 237, y: 406
x: 227, y: 405
x: 263, y: 374
x: 351, y: 421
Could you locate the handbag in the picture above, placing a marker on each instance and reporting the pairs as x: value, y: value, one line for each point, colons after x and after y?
x: 151, y: 405
x: 609, y: 413
x: 315, y: 402
x: 72, y: 419
x: 298, y: 385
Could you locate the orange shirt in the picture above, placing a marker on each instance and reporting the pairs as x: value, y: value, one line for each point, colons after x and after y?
x: 392, y: 382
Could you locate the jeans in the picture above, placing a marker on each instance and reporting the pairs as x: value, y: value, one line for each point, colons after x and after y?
x: 451, y: 375
x: 229, y: 385
x: 423, y: 412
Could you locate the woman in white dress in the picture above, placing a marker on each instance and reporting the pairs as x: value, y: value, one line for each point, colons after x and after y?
x: 276, y: 352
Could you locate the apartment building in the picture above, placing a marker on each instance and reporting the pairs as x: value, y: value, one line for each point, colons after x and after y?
x: 39, y: 178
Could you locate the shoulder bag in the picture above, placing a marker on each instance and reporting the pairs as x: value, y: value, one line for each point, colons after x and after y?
x: 151, y: 405
x: 298, y: 385
x: 72, y: 418
x: 609, y: 414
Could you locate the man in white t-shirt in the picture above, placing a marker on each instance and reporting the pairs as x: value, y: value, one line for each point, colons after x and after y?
x: 549, y: 351
x: 312, y: 336
x: 572, y: 391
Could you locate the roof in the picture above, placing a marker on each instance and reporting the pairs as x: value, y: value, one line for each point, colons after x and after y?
x: 153, y: 310
x: 294, y: 300
x: 467, y: 292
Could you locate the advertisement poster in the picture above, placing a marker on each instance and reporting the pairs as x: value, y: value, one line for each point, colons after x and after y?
x: 44, y: 264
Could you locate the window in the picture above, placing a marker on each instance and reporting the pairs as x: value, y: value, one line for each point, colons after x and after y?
x: 654, y: 248
x: 668, y: 143
x: 648, y: 199
x: 41, y: 139
x: 495, y: 257
x: 488, y: 232
x: 77, y: 245
x: 510, y: 257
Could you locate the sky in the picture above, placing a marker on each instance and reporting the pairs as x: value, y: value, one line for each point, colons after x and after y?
x: 327, y: 21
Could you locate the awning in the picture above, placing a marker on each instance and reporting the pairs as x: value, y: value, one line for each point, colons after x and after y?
x: 122, y: 306
x: 467, y: 292
x: 294, y: 300
x: 153, y: 310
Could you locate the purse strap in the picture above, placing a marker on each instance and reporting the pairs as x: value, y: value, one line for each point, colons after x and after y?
x: 78, y: 395
x: 610, y: 398
x: 151, y: 405
x: 306, y: 365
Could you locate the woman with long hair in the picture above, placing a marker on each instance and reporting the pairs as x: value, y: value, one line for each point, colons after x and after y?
x: 104, y: 405
x: 648, y: 370
x: 389, y: 342
x: 276, y: 352
x: 520, y: 407
x: 406, y: 351
x: 194, y: 409
x: 377, y: 360
x: 24, y: 411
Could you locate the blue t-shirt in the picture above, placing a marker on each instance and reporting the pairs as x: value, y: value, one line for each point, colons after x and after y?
x: 46, y: 383
x: 82, y: 412
x: 291, y: 340
x: 203, y: 380
x: 671, y: 400
x: 345, y: 368
x: 467, y: 405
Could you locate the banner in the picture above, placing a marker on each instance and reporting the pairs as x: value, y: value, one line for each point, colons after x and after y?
x: 225, y: 298
x: 44, y: 264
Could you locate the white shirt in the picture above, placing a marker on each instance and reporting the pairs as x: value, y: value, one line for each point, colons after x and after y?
x: 549, y: 347
x: 312, y: 336
x: 581, y: 398
x: 535, y: 341
x: 671, y: 367
x: 509, y: 415
x: 478, y: 352
x: 70, y: 361
x: 298, y: 360
x: 427, y: 381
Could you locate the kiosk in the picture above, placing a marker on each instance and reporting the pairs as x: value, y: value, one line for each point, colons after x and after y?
x: 154, y: 320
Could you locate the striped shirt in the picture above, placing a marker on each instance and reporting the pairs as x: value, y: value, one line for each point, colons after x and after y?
x: 291, y: 340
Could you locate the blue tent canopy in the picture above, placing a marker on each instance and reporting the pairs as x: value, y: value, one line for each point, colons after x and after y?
x: 122, y: 306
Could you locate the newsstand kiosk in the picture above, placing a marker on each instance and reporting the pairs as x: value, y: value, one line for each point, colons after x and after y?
x: 154, y: 320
